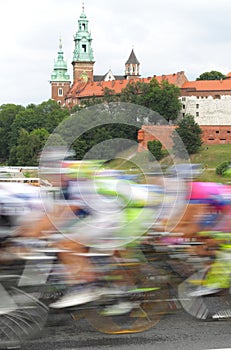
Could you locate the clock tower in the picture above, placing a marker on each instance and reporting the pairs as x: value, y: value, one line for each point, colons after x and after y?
x: 83, y: 59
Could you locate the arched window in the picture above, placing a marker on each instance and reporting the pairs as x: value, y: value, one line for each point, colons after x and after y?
x: 60, y: 92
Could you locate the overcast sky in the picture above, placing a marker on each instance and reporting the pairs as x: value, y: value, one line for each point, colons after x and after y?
x: 168, y: 36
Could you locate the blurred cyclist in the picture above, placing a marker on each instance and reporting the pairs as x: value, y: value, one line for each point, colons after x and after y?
x: 101, y: 212
x: 218, y: 277
x: 118, y: 211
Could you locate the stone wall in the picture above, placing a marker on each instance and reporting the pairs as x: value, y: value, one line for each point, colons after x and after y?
x: 208, y: 110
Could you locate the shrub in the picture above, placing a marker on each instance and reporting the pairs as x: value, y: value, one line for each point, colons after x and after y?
x: 221, y: 168
x: 155, y: 147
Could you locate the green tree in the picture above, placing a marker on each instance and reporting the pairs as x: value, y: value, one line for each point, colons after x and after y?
x: 47, y: 115
x: 8, y: 113
x: 162, y: 98
x: 132, y: 92
x: 97, y: 135
x: 27, y: 150
x: 42, y: 135
x: 55, y: 140
x: 50, y: 114
x: 91, y: 126
x: 155, y: 147
x: 223, y: 167
x: 190, y: 134
x: 213, y: 75
x: 80, y: 147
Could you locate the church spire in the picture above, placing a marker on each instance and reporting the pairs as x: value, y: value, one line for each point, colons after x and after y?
x: 60, y: 79
x: 83, y: 50
x: 83, y: 58
x: 60, y: 66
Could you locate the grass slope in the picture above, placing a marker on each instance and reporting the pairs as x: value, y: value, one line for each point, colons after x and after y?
x: 208, y: 156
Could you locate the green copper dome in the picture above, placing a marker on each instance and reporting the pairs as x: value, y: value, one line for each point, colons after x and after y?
x: 60, y: 68
x: 83, y: 51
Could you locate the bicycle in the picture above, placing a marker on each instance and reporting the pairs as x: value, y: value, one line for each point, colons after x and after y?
x: 185, y: 273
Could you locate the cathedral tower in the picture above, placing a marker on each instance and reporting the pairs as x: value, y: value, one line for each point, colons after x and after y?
x: 83, y: 59
x: 60, y: 79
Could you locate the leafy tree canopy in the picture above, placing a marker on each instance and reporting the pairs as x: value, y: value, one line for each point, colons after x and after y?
x: 155, y: 147
x: 8, y: 113
x: 162, y: 98
x: 190, y: 134
x: 27, y: 150
x: 30, y: 126
x: 213, y: 75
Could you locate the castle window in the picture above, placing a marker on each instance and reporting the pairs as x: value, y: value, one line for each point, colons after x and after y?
x: 60, y: 92
x: 183, y: 114
x: 217, y: 131
x: 197, y: 105
x: 183, y: 106
x: 183, y: 99
x: 197, y: 114
x: 83, y: 26
x: 228, y: 131
x: 84, y: 48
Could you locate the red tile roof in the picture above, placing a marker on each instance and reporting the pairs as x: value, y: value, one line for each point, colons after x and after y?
x: 208, y: 85
x: 84, y: 90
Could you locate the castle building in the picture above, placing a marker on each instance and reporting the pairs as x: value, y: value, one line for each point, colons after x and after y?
x: 85, y: 83
x: 209, y: 101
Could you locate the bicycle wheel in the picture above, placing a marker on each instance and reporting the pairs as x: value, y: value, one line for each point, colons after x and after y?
x: 22, y: 315
x: 148, y: 301
x: 208, y: 307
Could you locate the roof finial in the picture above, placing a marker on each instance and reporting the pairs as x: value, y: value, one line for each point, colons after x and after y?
x: 83, y: 6
x: 60, y: 42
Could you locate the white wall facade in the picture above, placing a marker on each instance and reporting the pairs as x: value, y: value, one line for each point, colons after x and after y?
x: 208, y: 110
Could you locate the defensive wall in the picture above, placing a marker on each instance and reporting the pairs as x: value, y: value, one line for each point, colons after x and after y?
x: 211, y: 135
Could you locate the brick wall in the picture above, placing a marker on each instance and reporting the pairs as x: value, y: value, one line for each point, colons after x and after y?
x: 80, y: 67
x: 216, y: 134
x: 54, y: 91
x: 211, y: 135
